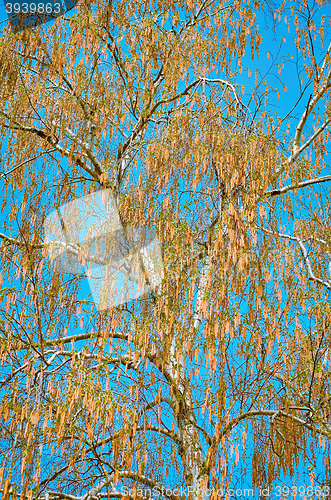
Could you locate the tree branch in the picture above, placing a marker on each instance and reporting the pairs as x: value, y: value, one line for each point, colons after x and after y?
x: 298, y: 185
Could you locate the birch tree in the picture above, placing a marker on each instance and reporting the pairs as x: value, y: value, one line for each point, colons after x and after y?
x: 218, y: 377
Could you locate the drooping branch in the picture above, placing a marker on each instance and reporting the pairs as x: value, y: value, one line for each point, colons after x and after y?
x: 311, y: 275
x: 304, y: 252
x: 54, y: 142
x: 273, y: 414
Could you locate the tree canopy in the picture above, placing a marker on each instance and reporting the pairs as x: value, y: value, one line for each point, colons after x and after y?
x: 215, y: 379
